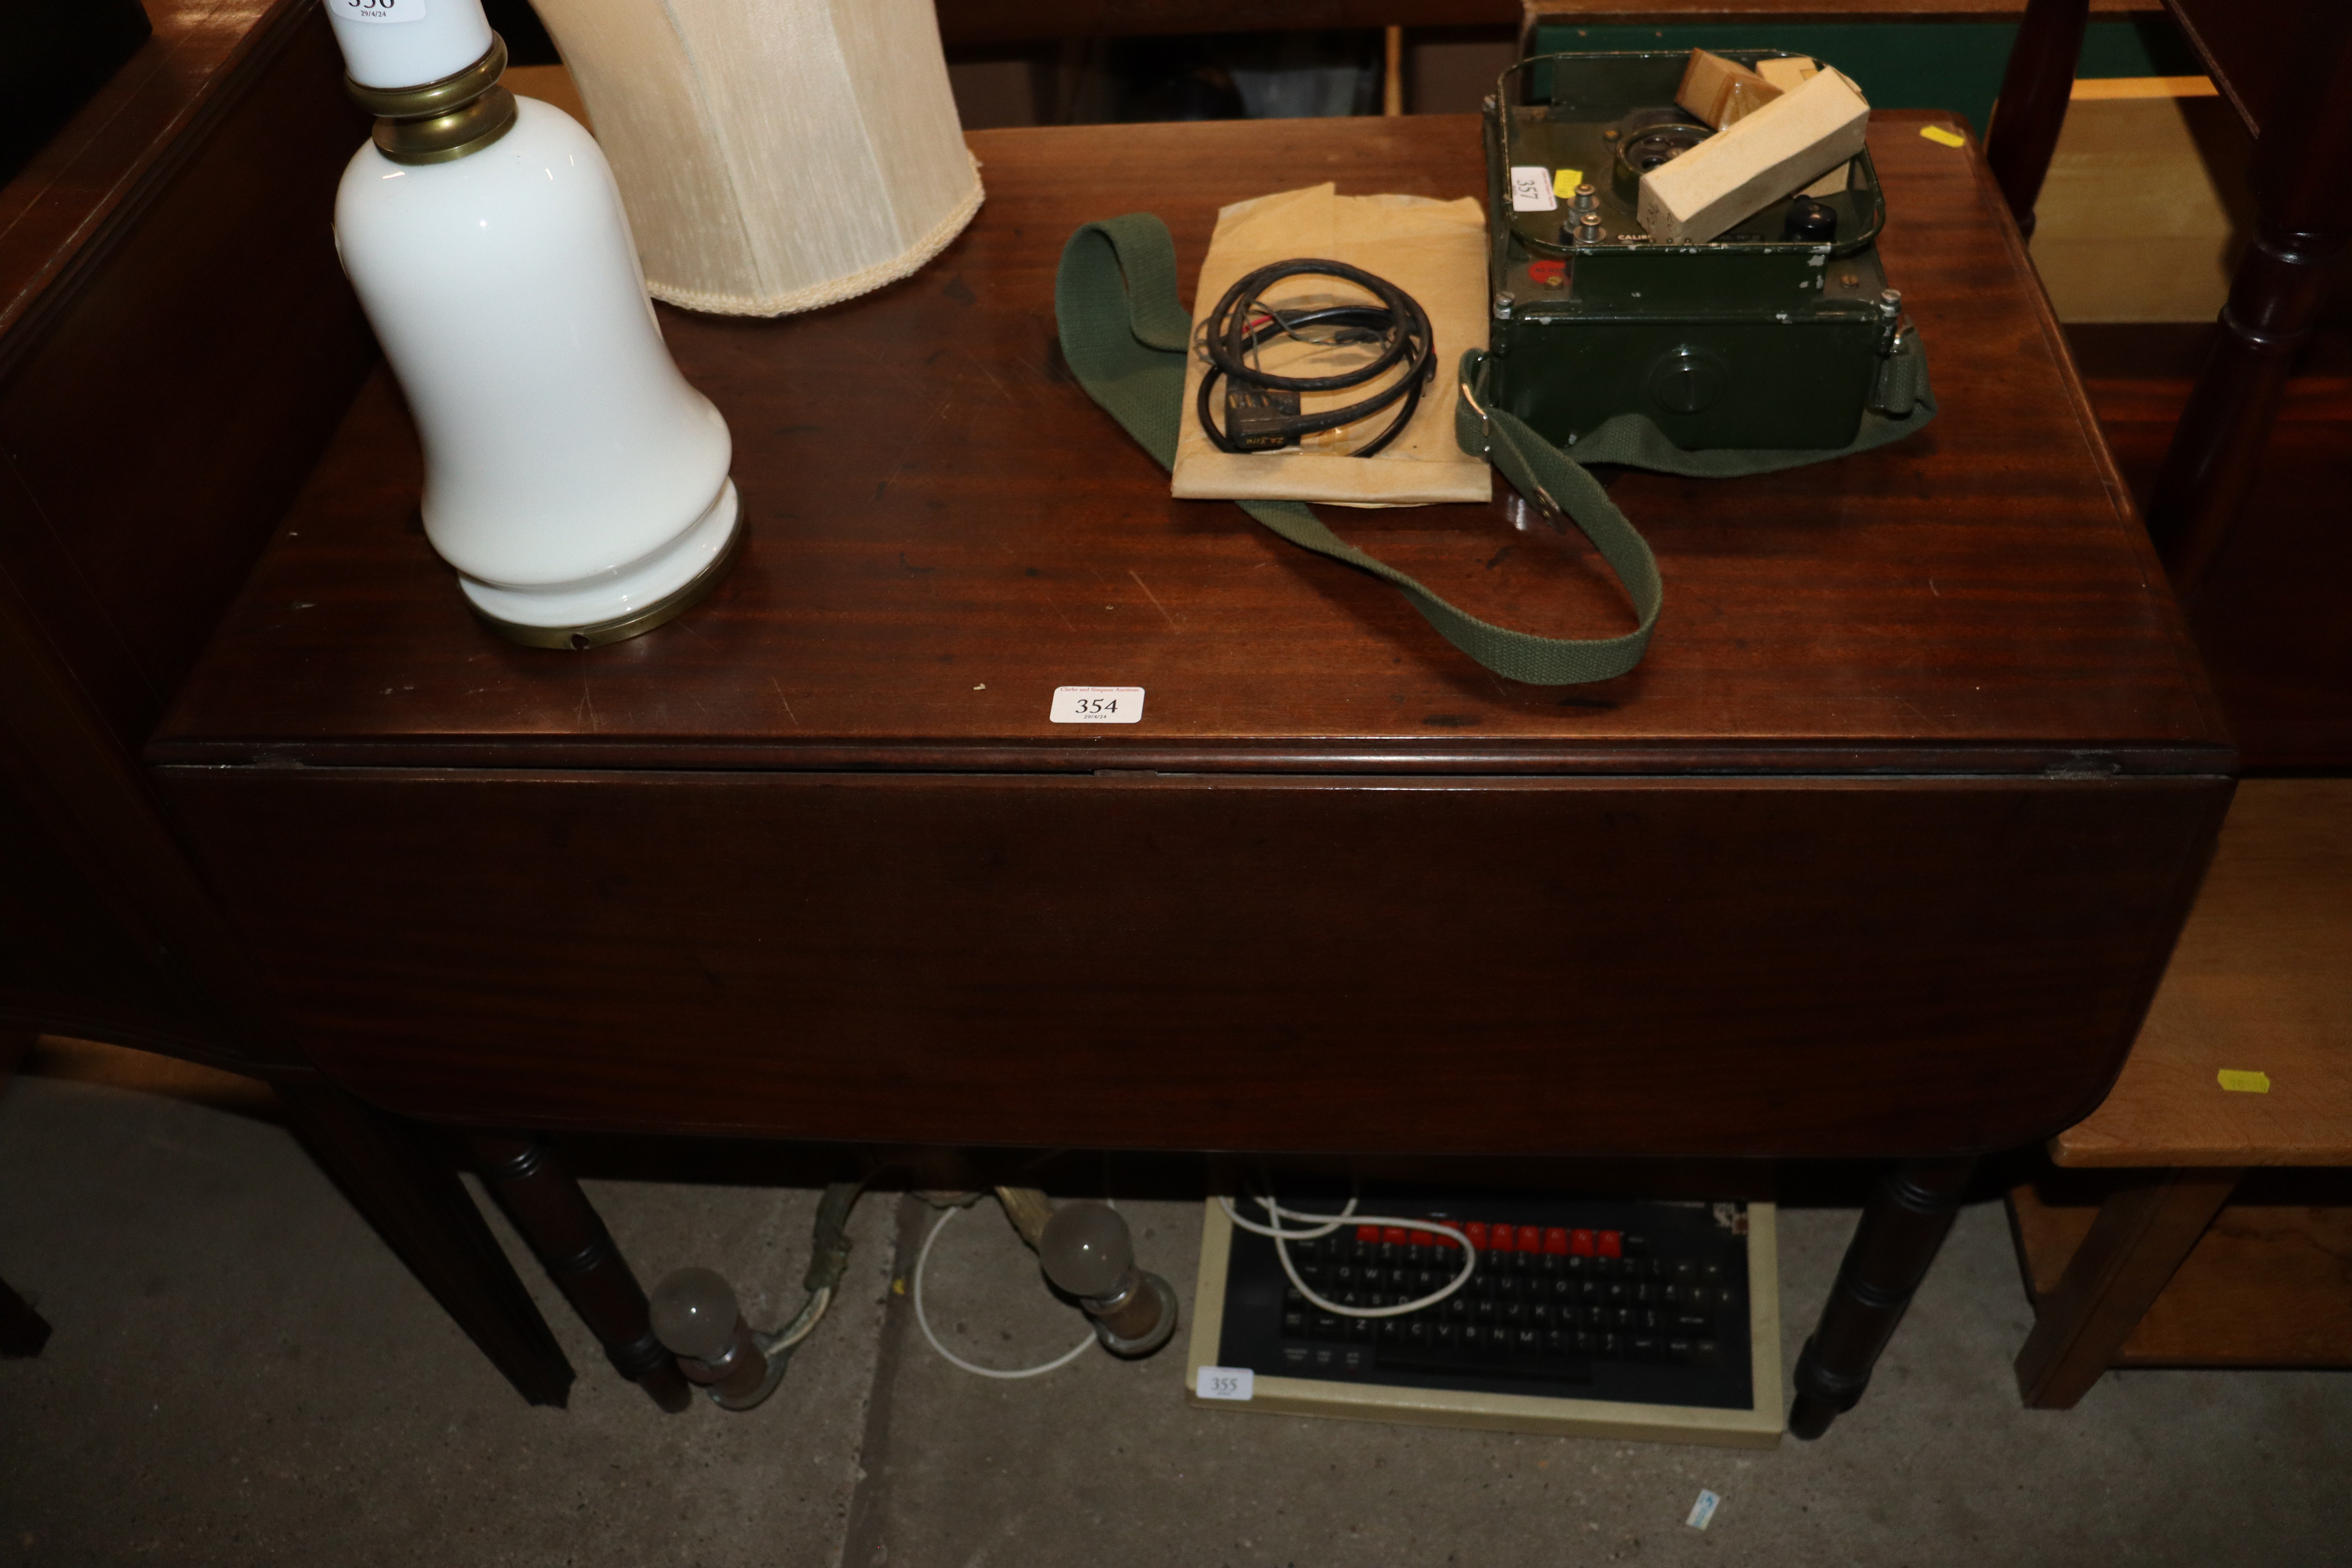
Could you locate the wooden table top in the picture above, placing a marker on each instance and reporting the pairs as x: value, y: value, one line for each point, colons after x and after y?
x: 943, y: 529
x: 2261, y: 983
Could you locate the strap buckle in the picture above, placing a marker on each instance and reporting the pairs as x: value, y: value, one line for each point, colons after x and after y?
x: 1551, y: 511
x: 1485, y: 423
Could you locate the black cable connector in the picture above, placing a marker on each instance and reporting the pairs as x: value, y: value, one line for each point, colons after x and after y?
x: 1262, y: 409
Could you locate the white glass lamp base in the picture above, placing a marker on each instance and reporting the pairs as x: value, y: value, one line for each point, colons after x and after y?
x: 619, y: 605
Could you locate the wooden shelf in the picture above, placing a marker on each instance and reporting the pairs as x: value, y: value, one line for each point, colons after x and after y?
x: 2270, y: 1284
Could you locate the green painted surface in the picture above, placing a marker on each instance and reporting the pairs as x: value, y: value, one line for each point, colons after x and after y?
x: 1906, y: 65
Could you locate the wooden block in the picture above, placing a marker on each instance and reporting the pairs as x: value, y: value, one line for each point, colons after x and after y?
x: 1786, y: 144
x: 1721, y: 92
x: 1788, y: 72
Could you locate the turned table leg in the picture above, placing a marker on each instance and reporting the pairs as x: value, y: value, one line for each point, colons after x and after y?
x: 2278, y: 296
x: 424, y: 1212
x: 569, y: 1238
x: 2034, y: 92
x: 1898, y: 1239
x: 22, y: 1330
x: 2142, y: 1235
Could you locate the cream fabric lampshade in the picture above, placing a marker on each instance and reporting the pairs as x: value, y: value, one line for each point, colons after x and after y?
x: 774, y: 156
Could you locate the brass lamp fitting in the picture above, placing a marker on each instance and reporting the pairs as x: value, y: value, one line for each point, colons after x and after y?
x: 442, y: 120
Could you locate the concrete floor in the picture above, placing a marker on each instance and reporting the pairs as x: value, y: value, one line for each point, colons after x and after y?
x: 242, y: 1374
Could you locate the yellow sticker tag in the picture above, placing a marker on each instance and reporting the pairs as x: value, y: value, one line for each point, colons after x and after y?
x: 1564, y: 184
x: 2239, y: 1082
x: 1948, y: 138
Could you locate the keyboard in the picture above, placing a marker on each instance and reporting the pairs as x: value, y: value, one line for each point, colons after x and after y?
x: 1574, y: 1304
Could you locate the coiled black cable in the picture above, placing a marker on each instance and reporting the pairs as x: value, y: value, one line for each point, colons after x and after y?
x: 1398, y: 324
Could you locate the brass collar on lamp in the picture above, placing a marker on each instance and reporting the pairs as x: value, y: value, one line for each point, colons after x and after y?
x: 461, y: 113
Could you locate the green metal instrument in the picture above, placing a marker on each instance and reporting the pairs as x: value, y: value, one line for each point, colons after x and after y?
x: 1779, y: 335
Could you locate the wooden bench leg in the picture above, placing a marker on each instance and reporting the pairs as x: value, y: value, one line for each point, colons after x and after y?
x: 569, y: 1238
x: 2137, y: 1243
x: 422, y: 1210
x: 22, y: 1330
x: 1899, y: 1236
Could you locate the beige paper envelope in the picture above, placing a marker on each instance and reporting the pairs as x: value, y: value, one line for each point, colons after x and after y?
x: 1434, y: 251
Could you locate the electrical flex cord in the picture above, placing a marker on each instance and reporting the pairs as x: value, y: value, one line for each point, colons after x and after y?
x: 1324, y: 1224
x: 923, y: 1318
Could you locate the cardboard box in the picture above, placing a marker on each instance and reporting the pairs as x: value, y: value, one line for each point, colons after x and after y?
x: 1778, y: 149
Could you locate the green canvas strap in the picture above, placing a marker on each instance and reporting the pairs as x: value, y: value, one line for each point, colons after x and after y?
x: 1125, y: 335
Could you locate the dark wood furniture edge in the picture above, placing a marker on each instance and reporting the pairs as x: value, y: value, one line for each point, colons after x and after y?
x: 52, y: 287
x: 2230, y: 90
x: 1523, y: 759
x: 1001, y: 22
x: 2188, y: 878
x: 96, y: 803
x: 2152, y: 569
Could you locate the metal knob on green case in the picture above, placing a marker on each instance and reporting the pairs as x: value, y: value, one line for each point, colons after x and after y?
x: 1088, y: 1250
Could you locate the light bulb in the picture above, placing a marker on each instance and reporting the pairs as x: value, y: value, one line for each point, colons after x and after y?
x: 694, y: 1314
x: 1086, y: 1250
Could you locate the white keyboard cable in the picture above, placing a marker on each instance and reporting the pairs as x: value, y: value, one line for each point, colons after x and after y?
x: 1325, y: 1223
x: 923, y: 1318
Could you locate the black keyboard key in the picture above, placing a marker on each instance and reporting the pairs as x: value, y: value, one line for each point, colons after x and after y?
x: 1293, y: 1324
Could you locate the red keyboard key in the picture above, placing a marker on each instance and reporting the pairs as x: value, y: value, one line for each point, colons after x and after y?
x: 1580, y: 1242
x: 1426, y: 1238
x: 1611, y: 1244
x: 1532, y: 1238
x: 1393, y: 1234
x: 1476, y: 1232
x: 1368, y: 1232
x: 1443, y: 1241
x: 1501, y: 1238
x: 1556, y: 1240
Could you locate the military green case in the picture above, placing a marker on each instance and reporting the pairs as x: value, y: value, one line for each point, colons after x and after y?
x: 1749, y: 341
